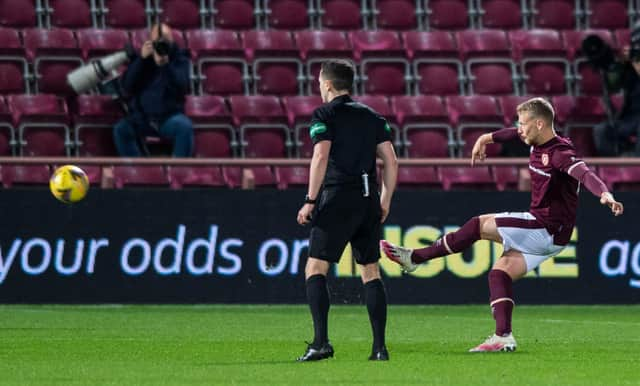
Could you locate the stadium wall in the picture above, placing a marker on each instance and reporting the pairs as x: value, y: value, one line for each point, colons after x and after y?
x: 230, y: 246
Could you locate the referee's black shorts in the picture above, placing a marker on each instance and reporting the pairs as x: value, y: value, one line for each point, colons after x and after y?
x: 342, y: 216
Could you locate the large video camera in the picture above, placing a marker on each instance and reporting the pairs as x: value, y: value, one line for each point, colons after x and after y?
x: 93, y: 74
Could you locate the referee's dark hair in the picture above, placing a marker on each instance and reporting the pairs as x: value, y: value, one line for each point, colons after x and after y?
x: 340, y: 72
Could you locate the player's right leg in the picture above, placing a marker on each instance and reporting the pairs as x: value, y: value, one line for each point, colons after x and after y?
x: 480, y: 227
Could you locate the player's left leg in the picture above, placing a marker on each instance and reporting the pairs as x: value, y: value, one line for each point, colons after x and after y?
x: 376, y: 299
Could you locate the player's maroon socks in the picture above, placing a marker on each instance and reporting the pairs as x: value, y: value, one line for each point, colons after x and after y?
x: 450, y: 243
x: 501, y: 298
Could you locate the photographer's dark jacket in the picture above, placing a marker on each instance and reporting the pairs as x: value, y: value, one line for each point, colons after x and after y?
x: 631, y: 84
x: 157, y: 92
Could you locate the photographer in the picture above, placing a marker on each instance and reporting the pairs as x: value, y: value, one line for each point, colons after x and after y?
x: 619, y: 135
x: 156, y: 82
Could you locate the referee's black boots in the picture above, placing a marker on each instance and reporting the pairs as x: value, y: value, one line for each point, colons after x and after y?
x: 317, y: 353
x: 379, y: 355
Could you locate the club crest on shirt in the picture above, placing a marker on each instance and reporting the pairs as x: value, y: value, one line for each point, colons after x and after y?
x: 545, y: 159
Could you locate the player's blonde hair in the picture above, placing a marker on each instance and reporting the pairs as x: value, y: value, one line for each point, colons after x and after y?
x: 538, y: 108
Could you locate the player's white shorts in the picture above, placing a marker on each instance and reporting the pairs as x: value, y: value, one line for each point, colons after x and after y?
x: 522, y: 232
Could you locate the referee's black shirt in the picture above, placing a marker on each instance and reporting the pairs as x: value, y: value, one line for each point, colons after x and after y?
x: 354, y: 130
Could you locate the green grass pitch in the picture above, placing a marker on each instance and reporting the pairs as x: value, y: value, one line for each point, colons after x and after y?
x: 245, y: 345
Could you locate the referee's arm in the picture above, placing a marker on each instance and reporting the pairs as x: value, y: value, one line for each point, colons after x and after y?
x: 318, y: 167
x: 385, y: 151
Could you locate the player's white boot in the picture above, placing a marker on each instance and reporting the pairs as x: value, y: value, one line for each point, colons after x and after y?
x: 400, y: 255
x: 496, y: 343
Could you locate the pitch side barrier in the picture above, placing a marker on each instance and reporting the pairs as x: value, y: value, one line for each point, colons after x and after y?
x: 240, y: 246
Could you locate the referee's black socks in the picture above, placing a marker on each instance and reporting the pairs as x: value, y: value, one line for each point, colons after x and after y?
x: 376, y: 298
x: 318, y: 298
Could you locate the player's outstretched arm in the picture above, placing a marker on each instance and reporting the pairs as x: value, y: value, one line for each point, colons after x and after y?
x: 581, y: 172
x: 616, y: 206
x: 479, y: 151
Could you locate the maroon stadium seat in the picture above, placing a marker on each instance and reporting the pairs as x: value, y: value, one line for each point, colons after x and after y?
x: 554, y: 14
x: 234, y: 14
x: 473, y: 116
x: 287, y: 14
x: 577, y: 116
x: 195, y: 176
x: 384, y: 68
x: 71, y: 14
x: 287, y: 176
x: 315, y: 47
x: 299, y: 110
x: 464, y: 177
x: 7, y: 132
x: 213, y: 133
x: 219, y: 58
x: 54, y: 53
x: 127, y: 14
x: 543, y: 61
x: 380, y: 104
x: 147, y: 175
x: 506, y: 177
x: 25, y: 175
x: 94, y: 118
x: 607, y: 14
x: 623, y: 37
x: 397, y: 14
x: 18, y: 13
x: 342, y: 14
x: 183, y: 14
x: 419, y: 177
x: 588, y: 81
x: 448, y: 14
x: 42, y: 123
x: 426, y: 131
x: 436, y: 65
x: 277, y: 68
x: 263, y: 176
x: 488, y: 64
x: 620, y: 178
x: 501, y: 14
x: 96, y: 43
x: 14, y: 70
x: 263, y: 126
x: 508, y: 105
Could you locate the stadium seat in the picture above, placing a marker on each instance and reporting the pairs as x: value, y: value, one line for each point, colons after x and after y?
x: 315, y: 47
x: 12, y: 175
x: 380, y: 104
x: 623, y: 37
x: 488, y: 65
x: 262, y: 176
x: 42, y: 123
x: 543, y: 62
x: 419, y: 177
x: 473, y: 116
x: 195, y: 176
x: 608, y: 14
x: 220, y: 63
x: 397, y: 14
x: 384, y: 68
x: 184, y: 14
x: 299, y: 111
x: 93, y: 121
x: 277, y: 68
x: 263, y: 126
x: 14, y: 69
x: 426, y: 131
x: 587, y: 81
x: 288, y: 14
x: 54, y: 53
x: 501, y: 14
x: 577, y: 116
x: 554, y: 14
x: 449, y: 14
x: 508, y: 105
x: 343, y: 14
x: 235, y: 14
x: 287, y: 176
x: 214, y: 135
x: 127, y: 14
x: 464, y: 177
x: 96, y: 43
x: 7, y: 132
x: 620, y: 178
x: 147, y: 175
x: 19, y: 14
x: 506, y: 177
x: 71, y: 14
x: 436, y: 65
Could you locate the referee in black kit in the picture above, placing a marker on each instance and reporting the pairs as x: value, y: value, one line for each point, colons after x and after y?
x: 343, y: 203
